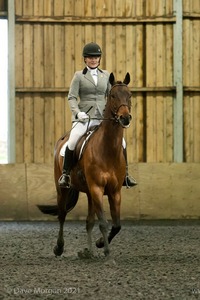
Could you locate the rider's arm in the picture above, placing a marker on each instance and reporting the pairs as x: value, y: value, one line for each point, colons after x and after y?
x: 73, y: 95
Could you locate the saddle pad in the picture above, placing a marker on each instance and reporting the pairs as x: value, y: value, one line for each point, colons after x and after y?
x: 62, y: 150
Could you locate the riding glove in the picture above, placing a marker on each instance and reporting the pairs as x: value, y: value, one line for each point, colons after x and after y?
x: 82, y: 116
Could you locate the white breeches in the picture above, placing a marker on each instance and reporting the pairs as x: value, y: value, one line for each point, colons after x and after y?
x: 78, y: 130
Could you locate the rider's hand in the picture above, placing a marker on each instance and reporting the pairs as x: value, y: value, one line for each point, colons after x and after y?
x: 82, y: 116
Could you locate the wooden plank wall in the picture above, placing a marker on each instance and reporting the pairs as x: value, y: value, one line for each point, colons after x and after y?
x: 171, y: 192
x: 136, y: 36
x: 191, y: 77
x: 3, y: 7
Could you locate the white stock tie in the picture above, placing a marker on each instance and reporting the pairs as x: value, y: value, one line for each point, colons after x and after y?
x: 94, y: 75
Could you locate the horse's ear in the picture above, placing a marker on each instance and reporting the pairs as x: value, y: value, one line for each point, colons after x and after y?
x: 112, y: 79
x: 127, y: 79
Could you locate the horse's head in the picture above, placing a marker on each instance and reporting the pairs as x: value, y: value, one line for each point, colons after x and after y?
x: 120, y: 100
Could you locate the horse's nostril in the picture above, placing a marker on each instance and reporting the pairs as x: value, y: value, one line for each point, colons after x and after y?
x: 125, y: 120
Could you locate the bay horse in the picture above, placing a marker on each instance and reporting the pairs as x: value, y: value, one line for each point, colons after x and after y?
x: 100, y: 171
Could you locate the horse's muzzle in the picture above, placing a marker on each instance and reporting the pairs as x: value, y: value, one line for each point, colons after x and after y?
x: 125, y: 121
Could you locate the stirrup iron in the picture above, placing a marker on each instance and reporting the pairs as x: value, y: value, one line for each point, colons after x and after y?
x: 67, y: 179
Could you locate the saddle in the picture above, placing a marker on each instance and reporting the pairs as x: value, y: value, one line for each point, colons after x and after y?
x: 81, y: 144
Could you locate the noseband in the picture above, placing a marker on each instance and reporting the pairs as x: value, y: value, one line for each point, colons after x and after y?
x: 115, y: 110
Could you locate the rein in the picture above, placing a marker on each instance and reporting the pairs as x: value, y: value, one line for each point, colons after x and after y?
x: 115, y: 117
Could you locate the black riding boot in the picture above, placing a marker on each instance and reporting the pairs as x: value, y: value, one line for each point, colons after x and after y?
x: 65, y: 180
x: 128, y: 181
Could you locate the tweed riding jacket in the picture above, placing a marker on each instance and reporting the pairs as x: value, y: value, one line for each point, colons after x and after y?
x: 84, y: 95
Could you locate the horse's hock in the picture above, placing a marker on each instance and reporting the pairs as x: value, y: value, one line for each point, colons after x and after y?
x: 164, y: 191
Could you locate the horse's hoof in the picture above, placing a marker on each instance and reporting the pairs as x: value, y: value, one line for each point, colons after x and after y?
x: 100, y: 243
x: 58, y: 251
x: 86, y: 253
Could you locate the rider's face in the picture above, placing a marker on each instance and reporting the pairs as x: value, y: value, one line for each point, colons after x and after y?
x: 92, y: 61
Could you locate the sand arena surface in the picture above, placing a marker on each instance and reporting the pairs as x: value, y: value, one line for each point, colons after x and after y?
x: 148, y: 260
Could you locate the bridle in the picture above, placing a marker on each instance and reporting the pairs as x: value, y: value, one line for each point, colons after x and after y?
x: 115, y: 109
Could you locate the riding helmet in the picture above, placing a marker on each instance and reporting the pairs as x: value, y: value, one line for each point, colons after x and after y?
x: 91, y: 49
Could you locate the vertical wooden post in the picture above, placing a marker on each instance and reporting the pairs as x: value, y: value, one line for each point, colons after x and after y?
x: 178, y: 82
x: 11, y: 81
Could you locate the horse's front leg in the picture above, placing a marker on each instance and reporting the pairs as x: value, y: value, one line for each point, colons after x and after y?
x: 59, y: 248
x: 97, y: 197
x: 103, y: 226
x: 115, y: 203
x: 90, y: 221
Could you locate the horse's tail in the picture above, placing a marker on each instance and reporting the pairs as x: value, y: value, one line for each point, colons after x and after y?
x: 71, y: 200
x: 49, y: 209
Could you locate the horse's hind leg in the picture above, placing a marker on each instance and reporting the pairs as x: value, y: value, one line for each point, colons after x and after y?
x: 90, y: 222
x: 58, y: 249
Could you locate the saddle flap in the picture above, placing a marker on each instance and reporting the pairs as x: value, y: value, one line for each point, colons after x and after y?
x: 80, y: 146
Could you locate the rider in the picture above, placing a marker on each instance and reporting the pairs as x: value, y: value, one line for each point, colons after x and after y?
x: 91, y: 86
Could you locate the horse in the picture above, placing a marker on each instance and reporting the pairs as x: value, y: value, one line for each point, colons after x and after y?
x: 100, y: 170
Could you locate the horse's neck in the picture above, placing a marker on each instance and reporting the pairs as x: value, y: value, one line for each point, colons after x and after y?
x: 112, y: 134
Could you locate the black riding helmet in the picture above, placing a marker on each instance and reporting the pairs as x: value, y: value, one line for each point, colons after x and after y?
x: 91, y: 49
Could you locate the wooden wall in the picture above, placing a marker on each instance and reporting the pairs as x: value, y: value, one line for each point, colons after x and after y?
x: 3, y: 8
x: 135, y: 36
x: 191, y: 76
x: 170, y: 192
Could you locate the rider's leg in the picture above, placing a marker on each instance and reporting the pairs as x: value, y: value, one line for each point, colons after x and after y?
x: 128, y: 181
x: 77, y: 131
x: 64, y: 180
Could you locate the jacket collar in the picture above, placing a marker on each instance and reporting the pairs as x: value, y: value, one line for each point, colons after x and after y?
x: 86, y: 69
